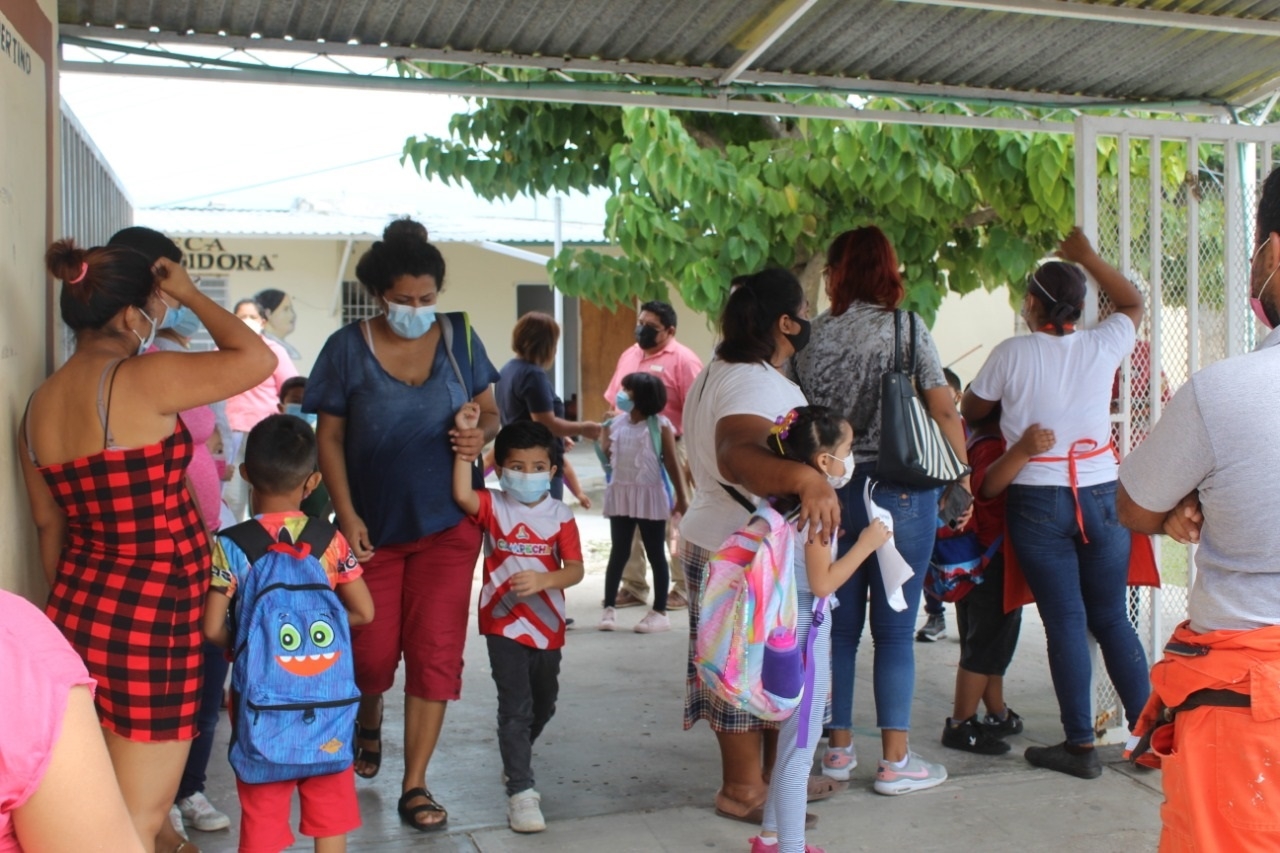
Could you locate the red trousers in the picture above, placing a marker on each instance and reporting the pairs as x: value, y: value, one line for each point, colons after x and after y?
x: 421, y: 596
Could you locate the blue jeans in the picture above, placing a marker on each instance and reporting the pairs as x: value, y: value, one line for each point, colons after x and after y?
x: 915, y: 521
x: 1080, y: 590
x: 215, y: 673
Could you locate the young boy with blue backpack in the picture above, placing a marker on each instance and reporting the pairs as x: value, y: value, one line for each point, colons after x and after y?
x: 286, y: 589
x: 532, y: 554
x: 988, y: 635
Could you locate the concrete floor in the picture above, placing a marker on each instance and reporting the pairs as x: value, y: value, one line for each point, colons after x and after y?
x: 618, y: 774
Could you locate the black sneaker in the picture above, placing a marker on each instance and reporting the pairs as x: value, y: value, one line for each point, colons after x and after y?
x: 971, y: 736
x: 935, y: 628
x: 1010, y: 725
x: 1086, y: 764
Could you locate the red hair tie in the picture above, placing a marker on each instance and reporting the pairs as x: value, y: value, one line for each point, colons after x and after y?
x: 84, y: 270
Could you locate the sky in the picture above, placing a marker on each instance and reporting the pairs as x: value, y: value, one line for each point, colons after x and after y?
x: 241, y: 145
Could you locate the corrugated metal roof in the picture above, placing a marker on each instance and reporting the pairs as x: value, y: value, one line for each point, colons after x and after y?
x: 308, y: 224
x: 1018, y: 46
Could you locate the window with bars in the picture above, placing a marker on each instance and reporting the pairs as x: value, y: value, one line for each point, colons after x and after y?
x: 357, y: 304
x: 219, y: 290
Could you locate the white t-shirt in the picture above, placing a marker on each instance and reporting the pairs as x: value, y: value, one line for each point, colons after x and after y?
x: 1063, y: 384
x: 723, y: 390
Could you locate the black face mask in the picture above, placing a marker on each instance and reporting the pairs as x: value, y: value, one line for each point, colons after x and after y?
x: 646, y: 336
x: 800, y: 339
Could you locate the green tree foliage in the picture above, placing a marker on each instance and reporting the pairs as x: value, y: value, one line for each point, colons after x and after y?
x: 697, y: 198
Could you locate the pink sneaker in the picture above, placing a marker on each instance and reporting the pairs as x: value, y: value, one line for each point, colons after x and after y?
x: 758, y: 846
x: 838, y: 762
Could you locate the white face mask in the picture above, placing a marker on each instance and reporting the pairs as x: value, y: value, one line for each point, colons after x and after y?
x: 843, y: 480
x: 144, y: 344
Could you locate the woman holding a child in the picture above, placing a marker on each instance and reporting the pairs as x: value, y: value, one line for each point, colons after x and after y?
x: 729, y: 413
x: 386, y: 391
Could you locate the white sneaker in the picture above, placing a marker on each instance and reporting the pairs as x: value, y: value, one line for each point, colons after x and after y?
x: 200, y: 813
x: 653, y: 623
x: 608, y: 620
x: 524, y: 812
x: 175, y: 820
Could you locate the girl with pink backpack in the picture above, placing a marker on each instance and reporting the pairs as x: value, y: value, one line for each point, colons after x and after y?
x: 815, y: 436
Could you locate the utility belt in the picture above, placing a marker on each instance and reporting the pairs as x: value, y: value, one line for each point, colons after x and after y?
x: 1161, y: 733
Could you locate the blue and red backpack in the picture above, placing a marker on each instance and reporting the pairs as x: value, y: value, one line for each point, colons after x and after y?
x: 293, y: 686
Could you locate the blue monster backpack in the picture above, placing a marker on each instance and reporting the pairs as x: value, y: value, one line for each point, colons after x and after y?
x: 293, y: 683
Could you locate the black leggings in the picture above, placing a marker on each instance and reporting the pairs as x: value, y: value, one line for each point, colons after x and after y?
x: 653, y: 533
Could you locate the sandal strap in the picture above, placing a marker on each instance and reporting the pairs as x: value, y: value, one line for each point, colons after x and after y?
x: 430, y: 806
x: 369, y: 734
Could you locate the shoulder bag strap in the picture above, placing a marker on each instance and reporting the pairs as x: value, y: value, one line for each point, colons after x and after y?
x: 897, y: 340
x: 446, y: 334
x: 911, y: 318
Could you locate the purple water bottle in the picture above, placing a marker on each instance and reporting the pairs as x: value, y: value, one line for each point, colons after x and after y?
x: 782, y: 672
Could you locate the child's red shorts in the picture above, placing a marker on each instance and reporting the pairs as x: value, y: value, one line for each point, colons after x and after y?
x: 328, y: 808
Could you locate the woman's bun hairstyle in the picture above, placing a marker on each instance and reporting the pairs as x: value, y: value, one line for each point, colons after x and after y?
x: 269, y: 299
x: 405, y: 229
x: 403, y: 250
x: 98, y: 283
x: 1060, y: 288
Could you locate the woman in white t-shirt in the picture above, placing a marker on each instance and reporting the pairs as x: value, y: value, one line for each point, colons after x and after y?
x: 1062, y: 518
x: 728, y: 415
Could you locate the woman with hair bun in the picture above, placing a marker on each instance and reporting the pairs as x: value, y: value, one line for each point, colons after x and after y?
x: 386, y: 390
x: 853, y: 347
x: 1062, y: 519
x: 104, y: 455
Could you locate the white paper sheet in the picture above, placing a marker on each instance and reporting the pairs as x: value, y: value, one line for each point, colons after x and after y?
x: 894, y: 570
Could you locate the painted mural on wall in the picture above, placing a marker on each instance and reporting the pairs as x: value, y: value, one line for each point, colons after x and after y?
x: 279, y: 318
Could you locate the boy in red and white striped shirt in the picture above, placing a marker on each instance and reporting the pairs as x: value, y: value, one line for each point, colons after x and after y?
x: 532, y: 555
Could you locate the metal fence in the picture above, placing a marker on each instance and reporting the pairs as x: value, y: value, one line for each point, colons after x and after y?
x: 94, y: 204
x: 1171, y: 205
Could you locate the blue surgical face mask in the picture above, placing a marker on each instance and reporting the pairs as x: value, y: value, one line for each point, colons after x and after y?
x: 408, y: 322
x: 144, y: 344
x: 528, y: 488
x: 624, y: 402
x: 181, y: 320
x: 295, y: 409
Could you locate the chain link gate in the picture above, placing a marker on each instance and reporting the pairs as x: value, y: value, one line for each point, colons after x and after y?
x: 1171, y: 205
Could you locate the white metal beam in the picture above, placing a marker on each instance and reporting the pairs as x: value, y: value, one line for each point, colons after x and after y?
x: 802, y: 82
x: 1117, y: 15
x: 579, y: 96
x: 514, y: 252
x: 769, y: 31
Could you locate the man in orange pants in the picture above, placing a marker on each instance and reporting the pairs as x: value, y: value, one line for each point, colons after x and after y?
x: 1207, y: 474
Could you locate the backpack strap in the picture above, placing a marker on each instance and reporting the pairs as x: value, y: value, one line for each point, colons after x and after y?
x: 318, y: 534
x: 251, y: 538
x: 446, y: 335
x: 821, y: 611
x: 655, y: 435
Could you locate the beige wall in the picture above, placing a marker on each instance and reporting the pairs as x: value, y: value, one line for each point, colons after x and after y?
x: 975, y: 319
x: 28, y: 150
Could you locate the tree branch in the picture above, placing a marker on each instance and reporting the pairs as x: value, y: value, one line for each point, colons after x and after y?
x: 981, y: 216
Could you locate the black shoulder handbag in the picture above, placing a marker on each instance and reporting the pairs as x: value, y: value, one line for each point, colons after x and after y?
x: 913, y: 450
